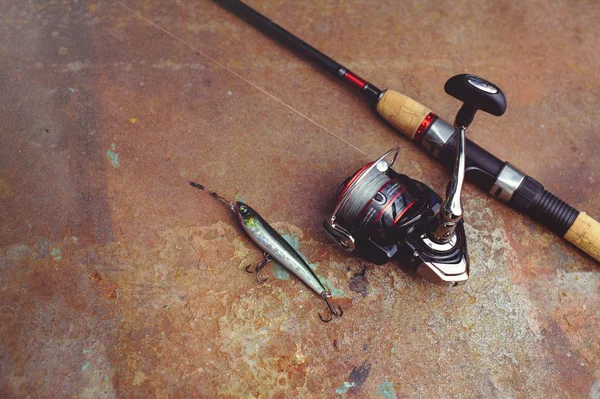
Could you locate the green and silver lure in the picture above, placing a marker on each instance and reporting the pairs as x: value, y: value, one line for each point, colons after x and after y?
x: 276, y: 248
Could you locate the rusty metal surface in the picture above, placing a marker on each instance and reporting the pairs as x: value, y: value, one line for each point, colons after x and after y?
x: 118, y: 279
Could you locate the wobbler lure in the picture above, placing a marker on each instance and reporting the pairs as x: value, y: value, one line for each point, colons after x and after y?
x: 276, y: 248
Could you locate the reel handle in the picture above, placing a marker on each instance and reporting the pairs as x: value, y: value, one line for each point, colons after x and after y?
x: 476, y: 94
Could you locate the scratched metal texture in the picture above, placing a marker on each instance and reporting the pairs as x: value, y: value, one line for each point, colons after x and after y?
x: 117, y: 279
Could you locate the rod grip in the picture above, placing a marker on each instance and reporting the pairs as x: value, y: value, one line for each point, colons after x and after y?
x: 402, y: 112
x: 585, y: 235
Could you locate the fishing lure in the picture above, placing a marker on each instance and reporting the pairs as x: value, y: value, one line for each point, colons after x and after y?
x: 276, y: 248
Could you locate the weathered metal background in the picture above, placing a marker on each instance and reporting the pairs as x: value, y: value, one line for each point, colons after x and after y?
x: 118, y: 279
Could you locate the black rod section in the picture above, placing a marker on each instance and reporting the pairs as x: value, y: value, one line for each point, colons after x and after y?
x: 275, y: 31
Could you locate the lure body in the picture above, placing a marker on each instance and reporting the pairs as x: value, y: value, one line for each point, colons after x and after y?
x: 275, y: 245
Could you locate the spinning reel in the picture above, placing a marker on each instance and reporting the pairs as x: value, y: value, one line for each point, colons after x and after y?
x: 384, y: 215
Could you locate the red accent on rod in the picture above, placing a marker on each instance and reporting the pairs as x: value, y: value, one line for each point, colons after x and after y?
x: 424, y: 126
x: 354, y: 80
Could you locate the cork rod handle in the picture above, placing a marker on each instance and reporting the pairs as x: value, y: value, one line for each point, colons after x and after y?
x: 402, y: 112
x: 584, y: 233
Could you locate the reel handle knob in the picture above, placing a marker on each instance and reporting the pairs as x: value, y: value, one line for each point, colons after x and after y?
x: 476, y: 94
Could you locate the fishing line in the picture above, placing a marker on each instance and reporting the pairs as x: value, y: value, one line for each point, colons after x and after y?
x: 244, y: 79
x: 224, y: 201
x: 359, y: 195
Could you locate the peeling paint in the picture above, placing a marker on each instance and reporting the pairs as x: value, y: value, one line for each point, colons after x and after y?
x: 113, y: 157
x: 386, y: 389
x: 292, y: 240
x: 335, y: 292
x: 280, y: 272
x: 56, y: 254
x: 345, y: 387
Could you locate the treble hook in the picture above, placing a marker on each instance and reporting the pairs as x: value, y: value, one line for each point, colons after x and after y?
x: 334, y: 312
x: 259, y: 267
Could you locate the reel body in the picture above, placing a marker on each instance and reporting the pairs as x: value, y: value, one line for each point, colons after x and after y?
x: 385, y: 214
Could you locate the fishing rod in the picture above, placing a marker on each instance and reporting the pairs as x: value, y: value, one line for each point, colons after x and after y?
x: 418, y: 123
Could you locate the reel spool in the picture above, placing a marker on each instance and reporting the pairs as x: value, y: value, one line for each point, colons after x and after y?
x: 370, y: 199
x: 376, y: 208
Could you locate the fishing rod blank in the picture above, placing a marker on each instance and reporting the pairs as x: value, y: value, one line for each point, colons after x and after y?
x: 418, y: 123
